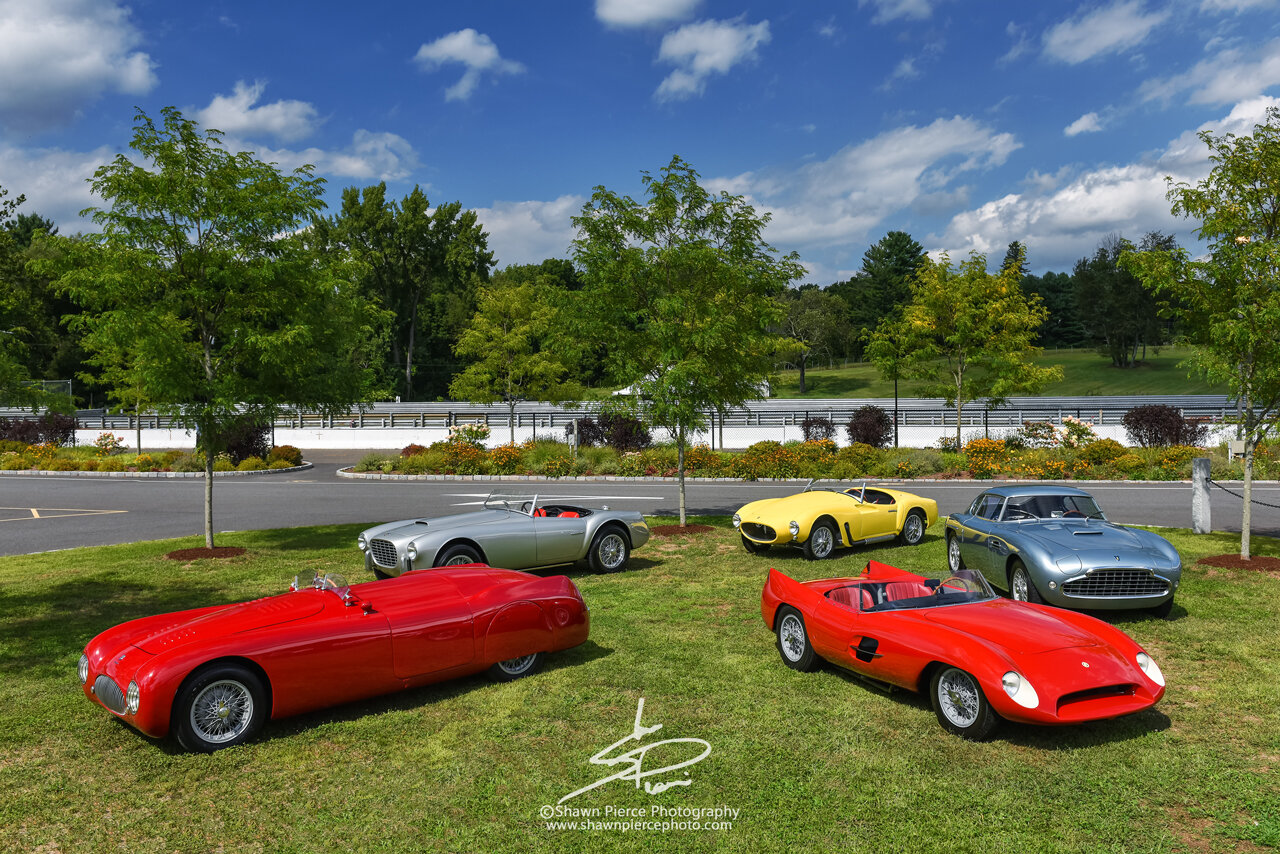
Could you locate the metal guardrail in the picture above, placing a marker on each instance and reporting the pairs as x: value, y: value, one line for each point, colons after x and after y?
x: 767, y: 413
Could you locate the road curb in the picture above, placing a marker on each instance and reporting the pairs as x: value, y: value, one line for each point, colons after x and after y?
x: 149, y: 474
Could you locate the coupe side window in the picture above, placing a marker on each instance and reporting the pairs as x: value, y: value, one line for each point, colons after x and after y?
x: 989, y: 507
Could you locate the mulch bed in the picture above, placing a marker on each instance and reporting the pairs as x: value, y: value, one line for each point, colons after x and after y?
x: 202, y: 553
x: 1233, y: 561
x: 676, y: 530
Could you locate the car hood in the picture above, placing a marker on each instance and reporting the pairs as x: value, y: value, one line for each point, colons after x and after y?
x: 792, y: 506
x: 408, y: 529
x: 1081, y: 537
x: 234, y: 619
x: 1019, y: 628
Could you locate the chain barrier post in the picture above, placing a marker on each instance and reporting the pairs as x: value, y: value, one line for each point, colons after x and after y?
x: 1200, y: 521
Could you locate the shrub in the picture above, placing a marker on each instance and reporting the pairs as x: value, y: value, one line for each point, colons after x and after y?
x: 287, y: 453
x: 246, y: 439
x: 279, y: 464
x: 188, y: 462
x: 51, y: 428
x: 1101, y: 452
x: 505, y: 459
x: 1038, y: 434
x: 412, y: 450
x: 115, y: 463
x: 817, y: 428
x: 1157, y: 425
x: 469, y: 434
x: 631, y: 464
x: 144, y: 462
x: 88, y: 465
x: 870, y: 425
x: 461, y: 457
x: 769, y: 459
x: 561, y: 465
x: 108, y: 443
x: 62, y: 464
x: 700, y: 460
x: 416, y: 464
x: 251, y: 464
x: 223, y: 465
x: 370, y: 462
x: 170, y: 457
x: 624, y: 433
x: 860, y: 458
x: 590, y: 433
x: 7, y: 445
x: 1076, y: 433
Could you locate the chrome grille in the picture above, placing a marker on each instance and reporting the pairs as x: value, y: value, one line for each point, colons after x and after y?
x: 1116, y: 583
x: 109, y: 693
x: 756, y: 531
x: 1095, y: 694
x: 384, y: 553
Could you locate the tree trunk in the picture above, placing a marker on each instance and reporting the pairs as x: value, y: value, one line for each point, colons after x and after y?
x: 511, y: 419
x: 1246, y: 519
x: 959, y: 412
x: 802, y: 361
x: 208, y: 496
x: 137, y: 413
x: 408, y: 353
x: 680, y: 441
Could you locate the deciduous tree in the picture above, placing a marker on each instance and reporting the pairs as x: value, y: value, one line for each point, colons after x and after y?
x: 1229, y: 300
x: 203, y: 265
x: 970, y: 334
x: 815, y: 323
x: 685, y: 289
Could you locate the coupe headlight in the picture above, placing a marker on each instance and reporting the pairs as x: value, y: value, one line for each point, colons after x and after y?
x: 1150, y: 668
x: 1019, y: 690
x: 737, y: 520
x: 412, y: 551
x: 82, y: 669
x: 794, y: 528
x: 131, y: 698
x: 362, y: 543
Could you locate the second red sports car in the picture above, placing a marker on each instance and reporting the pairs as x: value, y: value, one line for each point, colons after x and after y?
x: 980, y: 657
x: 214, y: 676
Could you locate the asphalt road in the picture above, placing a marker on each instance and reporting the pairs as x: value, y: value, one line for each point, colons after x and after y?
x: 50, y: 513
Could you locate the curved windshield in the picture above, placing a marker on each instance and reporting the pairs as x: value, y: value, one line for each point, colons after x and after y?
x: 1023, y: 507
x: 961, y: 587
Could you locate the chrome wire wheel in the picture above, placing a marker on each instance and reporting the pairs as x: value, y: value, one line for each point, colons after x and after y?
x: 953, y: 554
x: 959, y: 698
x: 517, y: 666
x: 791, y: 634
x: 821, y: 542
x: 222, y: 711
x: 1018, y: 586
x: 458, y: 560
x: 612, y: 551
x: 912, y: 529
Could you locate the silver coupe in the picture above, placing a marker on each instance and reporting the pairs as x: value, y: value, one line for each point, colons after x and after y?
x: 1051, y: 544
x: 513, y: 532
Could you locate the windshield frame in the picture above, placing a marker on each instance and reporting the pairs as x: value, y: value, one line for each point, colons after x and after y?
x: 1025, y: 507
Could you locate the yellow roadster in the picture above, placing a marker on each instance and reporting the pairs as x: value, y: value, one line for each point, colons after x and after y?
x: 823, y: 519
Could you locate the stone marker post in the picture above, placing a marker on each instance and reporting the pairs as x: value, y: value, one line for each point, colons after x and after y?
x: 1200, y: 522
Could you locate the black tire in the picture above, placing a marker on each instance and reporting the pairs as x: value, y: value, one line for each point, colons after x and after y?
x: 220, y: 706
x: 1021, y: 586
x: 955, y: 562
x: 793, y: 641
x: 515, y: 668
x: 458, y: 554
x: 913, y: 528
x: 380, y: 575
x: 752, y: 546
x: 822, y: 541
x: 960, y: 705
x: 610, y: 551
x: 1163, y: 610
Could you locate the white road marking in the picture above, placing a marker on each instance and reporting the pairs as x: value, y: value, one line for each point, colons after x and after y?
x: 49, y: 513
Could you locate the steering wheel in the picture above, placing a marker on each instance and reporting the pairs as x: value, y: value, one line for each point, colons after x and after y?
x: 959, y: 581
x: 1072, y: 513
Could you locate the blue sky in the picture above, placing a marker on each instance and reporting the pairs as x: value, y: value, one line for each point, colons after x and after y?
x: 968, y: 123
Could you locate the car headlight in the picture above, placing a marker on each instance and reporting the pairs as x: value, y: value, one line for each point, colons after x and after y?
x: 737, y: 520
x: 362, y: 543
x: 412, y: 551
x: 1019, y: 690
x: 1150, y: 668
x: 82, y: 669
x: 794, y: 528
x: 131, y: 698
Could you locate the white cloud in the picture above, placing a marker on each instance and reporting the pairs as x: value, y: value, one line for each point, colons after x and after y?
x: 1060, y: 224
x: 890, y: 10
x: 838, y: 200
x: 1234, y: 5
x: 474, y: 50
x: 1103, y: 30
x: 705, y: 48
x: 529, y: 232
x: 55, y: 182
x: 1021, y: 44
x: 643, y: 13
x: 1088, y: 123
x: 59, y: 55
x: 370, y: 157
x: 235, y: 114
x: 1224, y: 79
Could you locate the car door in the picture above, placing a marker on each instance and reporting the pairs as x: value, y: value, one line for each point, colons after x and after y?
x: 870, y: 642
x: 879, y: 514
x: 432, y: 626
x: 559, y: 539
x: 976, y: 531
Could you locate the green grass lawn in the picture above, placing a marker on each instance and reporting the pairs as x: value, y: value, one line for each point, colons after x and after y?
x: 1084, y: 372
x: 813, y: 762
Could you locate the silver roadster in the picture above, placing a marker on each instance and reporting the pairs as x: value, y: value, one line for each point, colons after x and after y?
x: 513, y: 532
x: 1051, y: 544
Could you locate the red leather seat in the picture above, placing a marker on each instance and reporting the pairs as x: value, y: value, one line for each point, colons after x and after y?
x: 843, y: 596
x: 905, y: 590
x: 569, y: 514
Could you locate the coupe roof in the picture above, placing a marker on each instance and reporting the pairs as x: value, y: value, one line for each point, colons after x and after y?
x: 1034, y: 489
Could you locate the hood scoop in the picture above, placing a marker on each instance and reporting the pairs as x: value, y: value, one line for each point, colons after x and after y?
x: 1087, y: 533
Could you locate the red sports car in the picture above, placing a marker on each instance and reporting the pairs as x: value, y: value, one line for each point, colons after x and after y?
x: 980, y: 657
x: 214, y: 675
